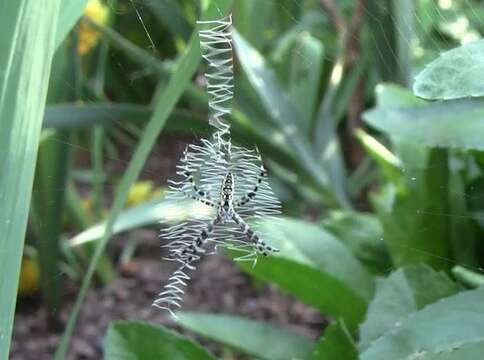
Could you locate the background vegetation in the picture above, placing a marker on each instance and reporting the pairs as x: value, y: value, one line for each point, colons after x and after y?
x: 374, y: 144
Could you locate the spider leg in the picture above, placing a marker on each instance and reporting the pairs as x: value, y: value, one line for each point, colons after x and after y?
x: 172, y: 293
x: 190, y: 252
x: 260, y: 244
x: 251, y: 194
x: 200, y: 195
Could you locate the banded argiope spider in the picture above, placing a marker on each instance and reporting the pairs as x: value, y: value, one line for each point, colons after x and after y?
x: 232, y: 190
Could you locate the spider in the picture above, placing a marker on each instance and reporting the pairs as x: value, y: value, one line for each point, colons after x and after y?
x: 226, y: 212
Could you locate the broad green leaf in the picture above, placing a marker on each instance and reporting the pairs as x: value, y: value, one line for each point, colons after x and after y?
x: 336, y: 343
x: 132, y: 340
x: 284, y: 114
x: 164, y: 102
x: 408, y: 207
x: 255, y: 338
x: 316, y: 268
x: 411, y: 211
x: 27, y: 29
x: 467, y: 351
x: 362, y: 233
x: 451, y: 124
x: 70, y: 12
x: 403, y: 293
x: 452, y: 323
x: 390, y: 95
x: 455, y: 74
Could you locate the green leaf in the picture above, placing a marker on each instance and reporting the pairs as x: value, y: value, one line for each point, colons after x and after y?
x: 390, y: 95
x: 452, y: 323
x: 404, y: 292
x: 410, y: 207
x: 336, y: 343
x: 27, y: 48
x: 48, y: 203
x: 451, y: 124
x: 164, y: 104
x: 132, y: 340
x: 254, y: 338
x: 149, y: 213
x: 316, y: 268
x: 362, y: 233
x: 284, y: 114
x: 78, y: 115
x: 411, y: 211
x: 70, y: 11
x: 470, y: 350
x: 455, y: 74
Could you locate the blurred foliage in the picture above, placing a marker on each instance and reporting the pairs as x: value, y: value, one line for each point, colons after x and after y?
x: 382, y: 189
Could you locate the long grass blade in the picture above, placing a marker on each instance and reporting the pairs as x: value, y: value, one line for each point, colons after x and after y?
x: 27, y: 30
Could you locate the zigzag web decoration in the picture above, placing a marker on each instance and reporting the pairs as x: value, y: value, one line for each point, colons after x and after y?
x: 229, y: 182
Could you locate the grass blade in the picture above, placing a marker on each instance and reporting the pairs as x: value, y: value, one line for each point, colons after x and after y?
x: 48, y: 203
x: 27, y: 43
x: 165, y: 102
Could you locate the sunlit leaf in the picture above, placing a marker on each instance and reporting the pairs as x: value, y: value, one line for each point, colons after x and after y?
x: 453, y: 124
x: 451, y: 326
x: 403, y: 293
x: 27, y: 29
x: 457, y: 73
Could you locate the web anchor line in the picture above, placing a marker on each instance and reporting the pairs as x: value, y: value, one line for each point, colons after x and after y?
x: 227, y: 182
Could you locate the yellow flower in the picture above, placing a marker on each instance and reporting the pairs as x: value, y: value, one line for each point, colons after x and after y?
x: 29, y: 277
x: 97, y: 12
x: 139, y: 193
